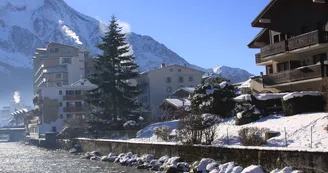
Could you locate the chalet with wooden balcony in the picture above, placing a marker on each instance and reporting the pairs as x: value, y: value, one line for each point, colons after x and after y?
x: 293, y: 44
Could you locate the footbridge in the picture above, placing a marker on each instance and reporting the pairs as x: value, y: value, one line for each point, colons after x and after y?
x: 12, y: 134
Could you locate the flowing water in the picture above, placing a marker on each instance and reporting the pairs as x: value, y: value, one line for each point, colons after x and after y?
x: 20, y: 158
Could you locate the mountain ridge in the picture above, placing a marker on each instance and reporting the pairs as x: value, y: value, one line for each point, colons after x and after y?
x: 26, y: 25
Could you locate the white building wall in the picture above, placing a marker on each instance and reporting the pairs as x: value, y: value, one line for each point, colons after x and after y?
x: 76, y: 69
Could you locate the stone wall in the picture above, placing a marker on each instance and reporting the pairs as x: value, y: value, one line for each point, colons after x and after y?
x: 269, y: 159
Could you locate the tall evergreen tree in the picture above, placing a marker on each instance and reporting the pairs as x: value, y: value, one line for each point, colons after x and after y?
x: 114, y: 97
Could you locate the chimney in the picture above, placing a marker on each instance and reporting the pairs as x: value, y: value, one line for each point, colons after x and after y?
x: 162, y: 65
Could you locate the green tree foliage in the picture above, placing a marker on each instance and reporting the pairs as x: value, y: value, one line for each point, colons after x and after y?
x: 214, y: 95
x: 115, y: 98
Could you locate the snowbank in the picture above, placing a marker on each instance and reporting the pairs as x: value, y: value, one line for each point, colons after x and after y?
x: 147, y: 133
x: 301, y: 94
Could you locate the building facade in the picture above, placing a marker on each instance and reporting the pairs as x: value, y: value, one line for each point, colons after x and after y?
x: 158, y: 84
x: 57, y: 104
x: 293, y: 45
x: 58, y: 65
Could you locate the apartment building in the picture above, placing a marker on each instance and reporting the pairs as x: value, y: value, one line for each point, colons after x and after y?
x: 158, y: 84
x: 293, y: 45
x: 59, y: 64
x: 57, y: 104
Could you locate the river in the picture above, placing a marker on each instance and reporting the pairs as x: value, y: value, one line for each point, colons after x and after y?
x: 20, y: 158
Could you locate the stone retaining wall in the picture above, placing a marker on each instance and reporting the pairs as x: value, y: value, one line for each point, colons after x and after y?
x: 268, y: 159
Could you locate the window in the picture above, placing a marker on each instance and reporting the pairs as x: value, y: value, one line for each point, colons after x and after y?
x: 283, y: 66
x: 69, y: 92
x: 54, y: 50
x: 276, y: 39
x: 78, y: 92
x: 60, y: 92
x: 179, y: 70
x: 61, y: 116
x: 78, y: 104
x: 66, y: 60
x: 60, y: 104
x: 58, y: 75
x: 181, y: 79
x: 190, y: 78
x: 168, y: 80
x: 69, y: 116
x: 68, y: 104
x: 269, y: 69
x: 54, y: 129
x: 171, y: 70
x: 169, y: 89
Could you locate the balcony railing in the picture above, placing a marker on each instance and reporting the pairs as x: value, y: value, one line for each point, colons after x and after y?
x: 301, y: 41
x: 307, y: 39
x: 258, y: 58
x: 74, y: 97
x: 273, y: 49
x: 302, y: 73
x: 76, y: 109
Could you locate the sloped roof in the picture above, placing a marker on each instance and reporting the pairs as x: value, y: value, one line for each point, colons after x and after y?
x: 178, y: 102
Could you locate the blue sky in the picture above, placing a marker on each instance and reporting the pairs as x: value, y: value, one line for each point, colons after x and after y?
x: 207, y: 33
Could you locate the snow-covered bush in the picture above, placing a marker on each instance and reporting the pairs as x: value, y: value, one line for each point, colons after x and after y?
x: 246, y: 113
x: 252, y: 136
x: 303, y: 102
x: 131, y: 124
x: 162, y: 132
x: 213, y: 96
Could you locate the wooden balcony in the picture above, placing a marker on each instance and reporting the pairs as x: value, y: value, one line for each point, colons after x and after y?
x: 301, y: 41
x: 258, y: 58
x: 74, y: 97
x: 307, y: 39
x: 76, y: 109
x: 299, y: 74
x: 273, y: 49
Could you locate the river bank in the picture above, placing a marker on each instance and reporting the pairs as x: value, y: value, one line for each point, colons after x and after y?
x: 244, y: 157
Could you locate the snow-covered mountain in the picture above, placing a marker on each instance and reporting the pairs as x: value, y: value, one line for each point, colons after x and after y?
x: 28, y: 24
x: 234, y: 74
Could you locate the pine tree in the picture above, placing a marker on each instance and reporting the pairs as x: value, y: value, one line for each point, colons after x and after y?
x: 114, y: 98
x: 214, y: 95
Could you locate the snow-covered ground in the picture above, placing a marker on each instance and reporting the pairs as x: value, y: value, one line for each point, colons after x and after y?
x: 297, y: 129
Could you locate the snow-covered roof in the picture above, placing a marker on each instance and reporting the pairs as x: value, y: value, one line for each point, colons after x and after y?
x: 265, y: 96
x: 178, y: 102
x: 246, y: 84
x: 170, y: 65
x: 83, y: 82
x: 301, y: 94
x: 187, y: 89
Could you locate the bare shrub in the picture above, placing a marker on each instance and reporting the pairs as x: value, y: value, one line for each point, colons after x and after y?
x: 252, y: 136
x: 196, y: 129
x: 190, y: 130
x: 162, y: 132
x: 73, y: 127
x: 209, y: 135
